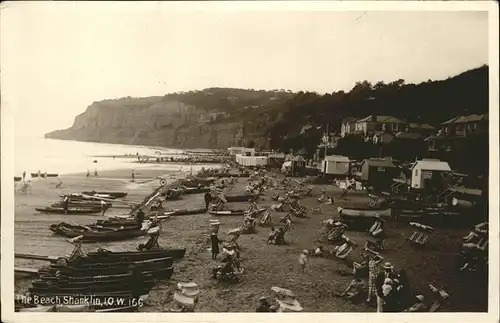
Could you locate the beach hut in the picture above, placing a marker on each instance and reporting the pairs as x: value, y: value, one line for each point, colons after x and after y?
x: 276, y: 159
x: 335, y: 165
x: 241, y: 151
x: 429, y: 174
x: 378, y: 172
x: 298, y: 165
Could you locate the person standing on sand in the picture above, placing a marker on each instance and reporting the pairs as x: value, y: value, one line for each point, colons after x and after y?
x: 215, y: 244
x: 303, y: 259
x: 66, y: 204
x: 95, y: 173
x: 208, y: 199
x: 133, y: 175
x: 88, y: 173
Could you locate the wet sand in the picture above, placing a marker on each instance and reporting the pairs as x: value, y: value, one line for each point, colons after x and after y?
x: 265, y: 265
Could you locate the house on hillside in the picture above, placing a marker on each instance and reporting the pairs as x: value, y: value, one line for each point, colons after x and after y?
x: 464, y: 126
x: 335, y: 165
x: 378, y: 172
x: 430, y: 174
x: 375, y: 123
x: 455, y: 129
x: 424, y: 129
x: 345, y: 126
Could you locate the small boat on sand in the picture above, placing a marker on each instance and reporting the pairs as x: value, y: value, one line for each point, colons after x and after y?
x: 94, y: 236
x: 136, y: 255
x: 116, y: 195
x: 17, y: 178
x: 227, y: 213
x: 60, y: 210
x: 196, y: 190
x: 35, y: 175
x: 364, y: 212
x: 188, y: 212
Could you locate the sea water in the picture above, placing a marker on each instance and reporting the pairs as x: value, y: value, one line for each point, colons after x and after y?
x: 33, y: 154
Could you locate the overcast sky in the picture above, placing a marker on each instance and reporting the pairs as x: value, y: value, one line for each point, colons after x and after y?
x: 57, y: 59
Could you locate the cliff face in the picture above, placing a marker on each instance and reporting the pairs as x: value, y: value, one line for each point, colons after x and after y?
x: 159, y: 121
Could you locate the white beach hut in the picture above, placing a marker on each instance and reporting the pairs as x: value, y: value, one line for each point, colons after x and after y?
x: 424, y: 171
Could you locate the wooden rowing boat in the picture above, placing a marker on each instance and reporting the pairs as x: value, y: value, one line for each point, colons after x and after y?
x: 106, y: 256
x: 94, y: 236
x: 60, y: 210
x: 35, y: 175
x: 364, y: 212
x: 188, y: 212
x: 63, y: 226
x: 116, y: 195
x: 17, y: 178
x: 121, y: 263
x: 227, y: 213
x: 196, y: 190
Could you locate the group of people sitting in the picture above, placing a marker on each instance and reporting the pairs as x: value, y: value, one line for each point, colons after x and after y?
x: 475, y: 248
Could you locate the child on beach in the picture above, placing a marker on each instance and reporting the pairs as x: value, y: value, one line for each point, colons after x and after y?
x: 303, y: 259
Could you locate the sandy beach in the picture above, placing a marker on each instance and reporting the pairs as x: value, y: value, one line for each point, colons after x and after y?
x: 265, y: 265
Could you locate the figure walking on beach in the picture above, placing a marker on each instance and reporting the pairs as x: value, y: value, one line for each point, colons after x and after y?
x: 133, y: 175
x: 208, y: 199
x: 88, y: 173
x: 66, y: 204
x: 95, y: 173
x: 215, y: 244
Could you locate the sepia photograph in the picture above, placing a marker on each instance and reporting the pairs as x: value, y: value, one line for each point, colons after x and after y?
x: 269, y: 157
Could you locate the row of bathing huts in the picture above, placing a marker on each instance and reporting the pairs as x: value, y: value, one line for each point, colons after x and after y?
x: 382, y: 173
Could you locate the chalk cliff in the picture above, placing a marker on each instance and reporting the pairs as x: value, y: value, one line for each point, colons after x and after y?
x: 210, y: 118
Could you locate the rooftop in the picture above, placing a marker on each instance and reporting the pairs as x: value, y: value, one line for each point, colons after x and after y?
x: 374, y: 118
x: 432, y: 164
x: 421, y: 126
x: 379, y: 162
x: 408, y: 135
x: 469, y: 118
x: 337, y: 158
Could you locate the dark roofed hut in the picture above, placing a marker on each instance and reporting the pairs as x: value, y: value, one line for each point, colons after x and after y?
x: 298, y: 165
x: 378, y: 172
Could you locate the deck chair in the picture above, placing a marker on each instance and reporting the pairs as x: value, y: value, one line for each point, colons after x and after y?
x: 442, y: 296
x: 266, y: 218
x: 374, y: 245
x: 345, y: 250
x: 276, y: 196
x: 421, y: 234
x: 322, y: 198
x: 277, y: 207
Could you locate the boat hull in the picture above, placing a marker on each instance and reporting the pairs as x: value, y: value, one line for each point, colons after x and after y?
x: 365, y: 213
x: 227, y: 213
x: 116, y: 195
x: 70, y: 210
x: 189, y: 212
